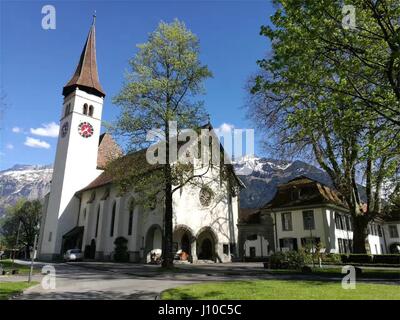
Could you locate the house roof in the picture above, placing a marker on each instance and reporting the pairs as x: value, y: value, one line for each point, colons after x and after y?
x: 303, y: 191
x: 86, y: 76
x: 249, y: 216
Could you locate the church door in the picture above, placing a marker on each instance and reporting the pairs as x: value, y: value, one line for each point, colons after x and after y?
x: 92, y: 253
x: 206, y: 249
x: 186, y: 244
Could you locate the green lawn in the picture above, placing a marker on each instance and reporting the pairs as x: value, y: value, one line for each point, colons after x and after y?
x: 281, y: 290
x: 22, y: 269
x: 9, y: 289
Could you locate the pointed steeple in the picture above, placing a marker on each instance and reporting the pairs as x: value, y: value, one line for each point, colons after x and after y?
x: 86, y: 76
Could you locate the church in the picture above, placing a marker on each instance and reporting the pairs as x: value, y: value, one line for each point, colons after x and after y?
x: 86, y: 210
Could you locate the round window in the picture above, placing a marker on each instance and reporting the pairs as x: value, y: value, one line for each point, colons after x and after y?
x: 206, y: 195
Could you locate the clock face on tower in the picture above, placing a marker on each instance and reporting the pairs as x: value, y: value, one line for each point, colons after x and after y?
x: 85, y: 129
x: 64, y: 129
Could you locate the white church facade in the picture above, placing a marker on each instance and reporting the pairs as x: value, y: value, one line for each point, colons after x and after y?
x: 86, y: 210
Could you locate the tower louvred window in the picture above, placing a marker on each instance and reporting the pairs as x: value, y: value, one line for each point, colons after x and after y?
x: 85, y: 108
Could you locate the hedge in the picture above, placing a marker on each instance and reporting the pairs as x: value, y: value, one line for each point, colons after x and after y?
x: 369, y: 258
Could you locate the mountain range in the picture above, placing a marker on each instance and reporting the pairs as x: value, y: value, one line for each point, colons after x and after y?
x: 24, y: 181
x: 260, y: 175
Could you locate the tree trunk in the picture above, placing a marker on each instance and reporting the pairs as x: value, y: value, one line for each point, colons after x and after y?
x: 360, y: 224
x: 168, y: 259
x: 167, y: 254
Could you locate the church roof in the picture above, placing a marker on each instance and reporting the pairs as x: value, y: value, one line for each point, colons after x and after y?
x: 108, y: 151
x: 134, y: 161
x: 86, y: 76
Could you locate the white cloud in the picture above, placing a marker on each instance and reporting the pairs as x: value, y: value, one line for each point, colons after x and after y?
x: 225, y: 128
x: 9, y: 146
x: 16, y: 130
x: 36, y: 143
x: 47, y: 130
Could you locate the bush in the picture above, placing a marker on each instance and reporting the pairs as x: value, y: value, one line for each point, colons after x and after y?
x: 387, y: 258
x: 288, y: 260
x: 332, y: 258
x: 394, y: 248
x: 306, y: 269
x: 357, y: 258
x: 278, y: 260
x: 121, y: 250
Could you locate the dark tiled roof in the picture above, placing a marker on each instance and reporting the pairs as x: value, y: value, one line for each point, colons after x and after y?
x: 303, y: 191
x: 249, y: 215
x: 86, y: 76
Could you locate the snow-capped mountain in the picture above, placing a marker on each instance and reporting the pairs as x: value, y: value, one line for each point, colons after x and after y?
x: 262, y: 176
x: 23, y: 181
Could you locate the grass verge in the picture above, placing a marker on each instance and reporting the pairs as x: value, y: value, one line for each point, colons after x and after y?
x: 10, y: 289
x: 281, y: 290
x: 22, y: 269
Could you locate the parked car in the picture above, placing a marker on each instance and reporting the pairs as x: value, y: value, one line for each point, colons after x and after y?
x: 73, y: 255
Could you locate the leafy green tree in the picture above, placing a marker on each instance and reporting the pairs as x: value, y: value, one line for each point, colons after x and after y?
x: 164, y: 79
x: 26, y: 214
x: 331, y: 91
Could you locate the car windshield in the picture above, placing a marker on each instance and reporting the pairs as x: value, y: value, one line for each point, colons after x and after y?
x: 75, y: 251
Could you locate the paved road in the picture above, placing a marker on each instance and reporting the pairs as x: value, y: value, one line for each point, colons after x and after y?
x: 77, y: 282
x: 95, y: 280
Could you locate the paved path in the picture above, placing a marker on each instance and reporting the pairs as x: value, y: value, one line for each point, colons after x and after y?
x: 108, y: 280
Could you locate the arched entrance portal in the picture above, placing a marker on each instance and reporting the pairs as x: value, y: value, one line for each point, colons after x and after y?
x: 206, y: 244
x: 183, y: 243
x: 92, y: 251
x: 153, y: 243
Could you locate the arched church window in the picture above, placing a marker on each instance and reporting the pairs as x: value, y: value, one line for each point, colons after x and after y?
x: 131, y: 209
x: 112, y: 220
x: 85, y: 108
x: 91, y: 110
x: 97, y: 221
x: 67, y: 109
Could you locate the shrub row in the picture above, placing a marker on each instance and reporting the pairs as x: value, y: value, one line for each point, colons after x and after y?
x: 369, y: 258
x: 296, y: 260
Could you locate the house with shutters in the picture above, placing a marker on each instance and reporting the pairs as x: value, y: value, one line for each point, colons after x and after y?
x: 302, y: 213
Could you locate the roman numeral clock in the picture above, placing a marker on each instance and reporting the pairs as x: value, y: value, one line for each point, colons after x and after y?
x: 85, y: 129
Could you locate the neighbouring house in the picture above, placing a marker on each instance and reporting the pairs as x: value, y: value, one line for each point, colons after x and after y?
x: 305, y: 212
x: 256, y: 235
x: 391, y: 228
x: 86, y: 210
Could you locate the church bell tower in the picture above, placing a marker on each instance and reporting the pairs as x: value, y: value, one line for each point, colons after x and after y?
x: 75, y: 163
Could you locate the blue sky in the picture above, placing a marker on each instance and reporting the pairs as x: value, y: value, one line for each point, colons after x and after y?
x: 35, y: 63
